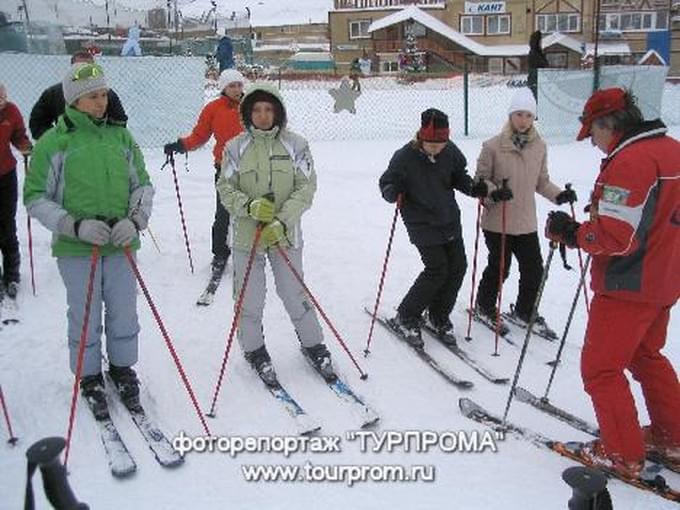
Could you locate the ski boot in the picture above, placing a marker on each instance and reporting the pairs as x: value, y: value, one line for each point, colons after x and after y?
x: 442, y: 327
x: 409, y: 329
x: 262, y: 364
x: 92, y: 390
x: 320, y: 359
x: 540, y: 327
x: 126, y: 383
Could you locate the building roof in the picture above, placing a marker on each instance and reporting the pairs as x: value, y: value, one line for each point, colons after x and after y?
x: 496, y: 50
x: 652, y: 54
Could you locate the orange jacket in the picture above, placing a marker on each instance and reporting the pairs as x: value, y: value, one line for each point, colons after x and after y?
x: 219, y: 118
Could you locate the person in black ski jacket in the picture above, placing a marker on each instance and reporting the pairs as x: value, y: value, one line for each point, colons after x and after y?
x: 51, y: 104
x: 422, y: 175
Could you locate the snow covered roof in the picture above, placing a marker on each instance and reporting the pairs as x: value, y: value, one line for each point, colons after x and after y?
x: 650, y: 54
x: 608, y: 48
x: 496, y: 50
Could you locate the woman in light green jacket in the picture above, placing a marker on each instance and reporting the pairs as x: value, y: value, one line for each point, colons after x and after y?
x: 268, y: 180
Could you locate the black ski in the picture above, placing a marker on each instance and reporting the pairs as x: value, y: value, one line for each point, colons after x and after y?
x: 423, y: 354
x: 208, y: 295
x: 450, y: 342
x: 541, y: 330
x: 365, y: 415
x: 544, y: 405
x: 504, y: 332
x: 650, y: 480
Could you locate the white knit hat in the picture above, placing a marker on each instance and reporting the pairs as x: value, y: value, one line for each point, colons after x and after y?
x: 76, y: 86
x: 523, y: 101
x: 230, y: 76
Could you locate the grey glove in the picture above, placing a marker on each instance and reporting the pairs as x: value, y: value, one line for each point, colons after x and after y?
x: 123, y: 232
x: 92, y: 231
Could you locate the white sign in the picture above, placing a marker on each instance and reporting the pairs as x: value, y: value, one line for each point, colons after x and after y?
x: 484, y: 7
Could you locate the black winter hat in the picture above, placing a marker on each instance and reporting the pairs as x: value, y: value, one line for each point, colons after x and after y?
x: 262, y: 96
x: 434, y: 126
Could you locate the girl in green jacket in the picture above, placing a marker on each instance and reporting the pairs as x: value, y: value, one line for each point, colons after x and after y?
x: 88, y: 185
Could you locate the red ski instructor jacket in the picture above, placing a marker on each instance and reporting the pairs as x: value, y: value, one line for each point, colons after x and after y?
x: 634, y: 230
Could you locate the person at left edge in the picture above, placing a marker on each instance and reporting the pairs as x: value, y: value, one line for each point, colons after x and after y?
x: 12, y: 133
x: 219, y: 118
x: 87, y: 184
x: 425, y: 172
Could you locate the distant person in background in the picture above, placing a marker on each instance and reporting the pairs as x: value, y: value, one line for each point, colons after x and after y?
x: 12, y: 133
x: 354, y: 72
x: 51, y: 104
x: 537, y: 60
x: 365, y: 64
x: 225, y: 53
x: 131, y: 47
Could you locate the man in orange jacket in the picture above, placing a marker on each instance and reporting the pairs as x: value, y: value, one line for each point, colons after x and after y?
x: 633, y: 236
x: 219, y: 118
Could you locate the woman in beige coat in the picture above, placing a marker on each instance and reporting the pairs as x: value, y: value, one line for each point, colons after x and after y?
x: 519, y: 155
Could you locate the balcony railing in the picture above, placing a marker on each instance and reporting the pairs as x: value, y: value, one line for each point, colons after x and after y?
x: 368, y: 4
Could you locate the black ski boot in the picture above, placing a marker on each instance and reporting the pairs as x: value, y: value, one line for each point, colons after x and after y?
x: 218, y: 264
x: 12, y: 289
x: 262, y: 364
x: 320, y: 358
x: 487, y: 316
x: 126, y: 383
x: 442, y: 327
x: 92, y: 390
x: 409, y: 329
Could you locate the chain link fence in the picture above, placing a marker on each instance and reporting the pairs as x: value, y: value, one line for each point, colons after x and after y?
x: 163, y: 97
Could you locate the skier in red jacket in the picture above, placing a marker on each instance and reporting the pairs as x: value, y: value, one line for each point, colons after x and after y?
x: 12, y: 133
x: 633, y: 236
x: 219, y: 118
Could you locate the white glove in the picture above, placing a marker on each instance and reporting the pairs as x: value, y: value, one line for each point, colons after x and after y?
x: 93, y: 232
x: 123, y: 232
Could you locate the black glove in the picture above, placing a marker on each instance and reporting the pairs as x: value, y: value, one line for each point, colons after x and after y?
x: 390, y: 192
x: 561, y: 228
x: 479, y: 189
x: 173, y: 147
x: 501, y: 194
x: 567, y: 195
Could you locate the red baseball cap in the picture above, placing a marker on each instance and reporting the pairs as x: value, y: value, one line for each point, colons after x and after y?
x: 601, y: 103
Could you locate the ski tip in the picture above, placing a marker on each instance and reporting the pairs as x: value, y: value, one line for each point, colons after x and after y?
x: 124, y: 472
x: 466, y: 385
x: 309, y: 431
x: 370, y: 422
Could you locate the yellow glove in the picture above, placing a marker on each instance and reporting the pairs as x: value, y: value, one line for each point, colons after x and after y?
x: 273, y: 233
x: 261, y: 209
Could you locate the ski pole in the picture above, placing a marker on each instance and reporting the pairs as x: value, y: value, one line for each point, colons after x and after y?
x: 166, y: 337
x: 94, y: 257
x: 237, y: 316
x: 283, y: 254
x: 580, y: 256
x: 557, y: 359
x: 12, y: 438
x: 30, y: 235
x: 384, y: 271
x: 530, y: 326
x: 171, y: 161
x: 474, y: 271
x: 153, y: 238
x: 501, y: 273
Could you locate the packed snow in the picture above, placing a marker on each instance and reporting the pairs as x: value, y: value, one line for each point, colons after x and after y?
x: 346, y: 233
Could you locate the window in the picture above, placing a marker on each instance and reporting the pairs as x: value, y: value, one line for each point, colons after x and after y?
x: 498, y: 24
x: 359, y: 29
x: 389, y: 67
x: 472, y: 25
x: 645, y: 21
x: 559, y: 22
x: 557, y: 60
x: 495, y: 65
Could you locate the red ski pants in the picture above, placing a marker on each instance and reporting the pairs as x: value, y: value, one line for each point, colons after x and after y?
x: 629, y: 335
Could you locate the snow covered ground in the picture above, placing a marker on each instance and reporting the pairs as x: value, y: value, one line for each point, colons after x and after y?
x: 346, y: 232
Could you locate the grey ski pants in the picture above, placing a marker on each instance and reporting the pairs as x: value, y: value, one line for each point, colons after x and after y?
x: 299, y: 308
x: 115, y: 287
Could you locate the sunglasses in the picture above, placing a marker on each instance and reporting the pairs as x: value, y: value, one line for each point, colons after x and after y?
x: 87, y: 72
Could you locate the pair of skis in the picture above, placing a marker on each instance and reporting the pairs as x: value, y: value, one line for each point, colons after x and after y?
x: 450, y: 343
x: 650, y: 479
x: 121, y: 462
x: 365, y: 415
